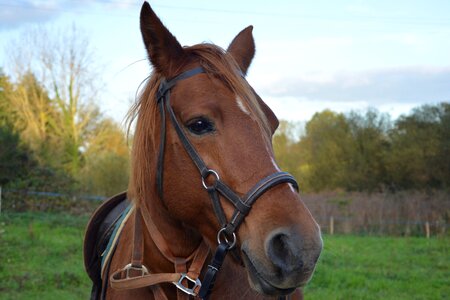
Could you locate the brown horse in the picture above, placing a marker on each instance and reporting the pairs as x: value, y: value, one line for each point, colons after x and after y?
x: 206, y: 175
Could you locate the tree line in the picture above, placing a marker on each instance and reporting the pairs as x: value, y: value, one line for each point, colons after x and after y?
x: 50, y: 143
x: 53, y: 136
x: 367, y: 151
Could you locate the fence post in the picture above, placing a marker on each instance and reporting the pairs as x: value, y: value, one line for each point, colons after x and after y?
x: 331, y: 225
x: 427, y: 229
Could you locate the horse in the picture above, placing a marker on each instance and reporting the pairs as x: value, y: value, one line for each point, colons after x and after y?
x: 204, y: 184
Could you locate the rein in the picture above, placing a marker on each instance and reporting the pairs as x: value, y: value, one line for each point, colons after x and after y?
x: 185, y: 280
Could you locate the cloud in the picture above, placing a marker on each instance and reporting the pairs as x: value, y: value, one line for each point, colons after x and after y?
x: 395, y: 85
x: 123, y: 4
x: 16, y: 13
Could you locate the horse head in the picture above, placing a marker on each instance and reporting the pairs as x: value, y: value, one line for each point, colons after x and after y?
x: 230, y: 128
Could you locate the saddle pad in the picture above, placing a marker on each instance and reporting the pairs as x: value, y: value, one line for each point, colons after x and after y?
x: 106, y: 255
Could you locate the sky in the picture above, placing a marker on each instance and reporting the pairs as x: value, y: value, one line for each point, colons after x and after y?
x: 310, y: 55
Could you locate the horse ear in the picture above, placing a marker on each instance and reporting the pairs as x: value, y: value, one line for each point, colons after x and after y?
x: 242, y: 48
x: 270, y: 115
x: 164, y: 51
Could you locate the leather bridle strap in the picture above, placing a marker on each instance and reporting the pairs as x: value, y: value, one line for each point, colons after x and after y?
x: 243, y: 205
x: 164, y: 93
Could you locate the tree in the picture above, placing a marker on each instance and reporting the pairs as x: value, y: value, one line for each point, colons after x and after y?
x: 5, y: 87
x: 420, y: 148
x: 286, y: 148
x: 15, y: 159
x: 62, y: 61
x: 50, y: 109
x: 31, y: 113
x: 366, y: 170
x: 106, y: 168
x: 326, y: 147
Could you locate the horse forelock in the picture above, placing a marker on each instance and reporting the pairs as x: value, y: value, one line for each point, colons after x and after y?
x: 217, y: 63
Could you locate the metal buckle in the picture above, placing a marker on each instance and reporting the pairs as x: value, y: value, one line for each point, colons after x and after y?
x: 189, y: 291
x: 129, y: 267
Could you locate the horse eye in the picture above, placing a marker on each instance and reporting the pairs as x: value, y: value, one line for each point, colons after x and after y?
x: 200, y: 126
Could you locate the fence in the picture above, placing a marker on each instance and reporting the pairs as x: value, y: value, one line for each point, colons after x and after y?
x: 28, y: 200
x: 405, y: 213
x: 346, y: 225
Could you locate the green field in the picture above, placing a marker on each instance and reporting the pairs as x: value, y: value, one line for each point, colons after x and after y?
x: 41, y: 258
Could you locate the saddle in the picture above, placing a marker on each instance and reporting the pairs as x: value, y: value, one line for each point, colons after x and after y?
x: 101, y: 229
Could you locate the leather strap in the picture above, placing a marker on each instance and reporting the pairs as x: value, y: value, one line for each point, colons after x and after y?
x: 136, y: 275
x: 196, y: 159
x: 162, y: 143
x: 213, y: 269
x: 120, y: 281
x: 260, y: 188
x: 155, y: 234
x: 180, y: 267
x: 164, y: 93
x: 138, y: 247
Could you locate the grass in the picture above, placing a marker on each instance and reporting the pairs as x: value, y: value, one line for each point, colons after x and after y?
x: 357, y: 267
x: 41, y: 258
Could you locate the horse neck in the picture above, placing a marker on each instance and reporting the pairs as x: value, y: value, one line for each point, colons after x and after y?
x: 180, y: 240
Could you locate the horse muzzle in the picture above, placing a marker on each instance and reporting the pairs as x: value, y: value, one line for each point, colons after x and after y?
x: 286, y: 263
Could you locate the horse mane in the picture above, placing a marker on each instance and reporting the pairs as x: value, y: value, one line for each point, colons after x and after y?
x: 217, y: 63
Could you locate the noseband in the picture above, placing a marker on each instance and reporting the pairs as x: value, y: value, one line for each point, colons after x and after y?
x: 226, y: 236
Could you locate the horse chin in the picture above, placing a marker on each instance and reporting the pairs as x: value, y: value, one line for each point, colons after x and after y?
x: 262, y: 285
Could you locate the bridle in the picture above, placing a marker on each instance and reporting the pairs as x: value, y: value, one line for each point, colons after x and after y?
x: 226, y: 236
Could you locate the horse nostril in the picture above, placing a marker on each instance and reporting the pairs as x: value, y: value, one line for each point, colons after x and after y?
x: 284, y: 253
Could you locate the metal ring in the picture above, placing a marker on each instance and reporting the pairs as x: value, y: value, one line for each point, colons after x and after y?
x: 230, y: 246
x: 208, y: 172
